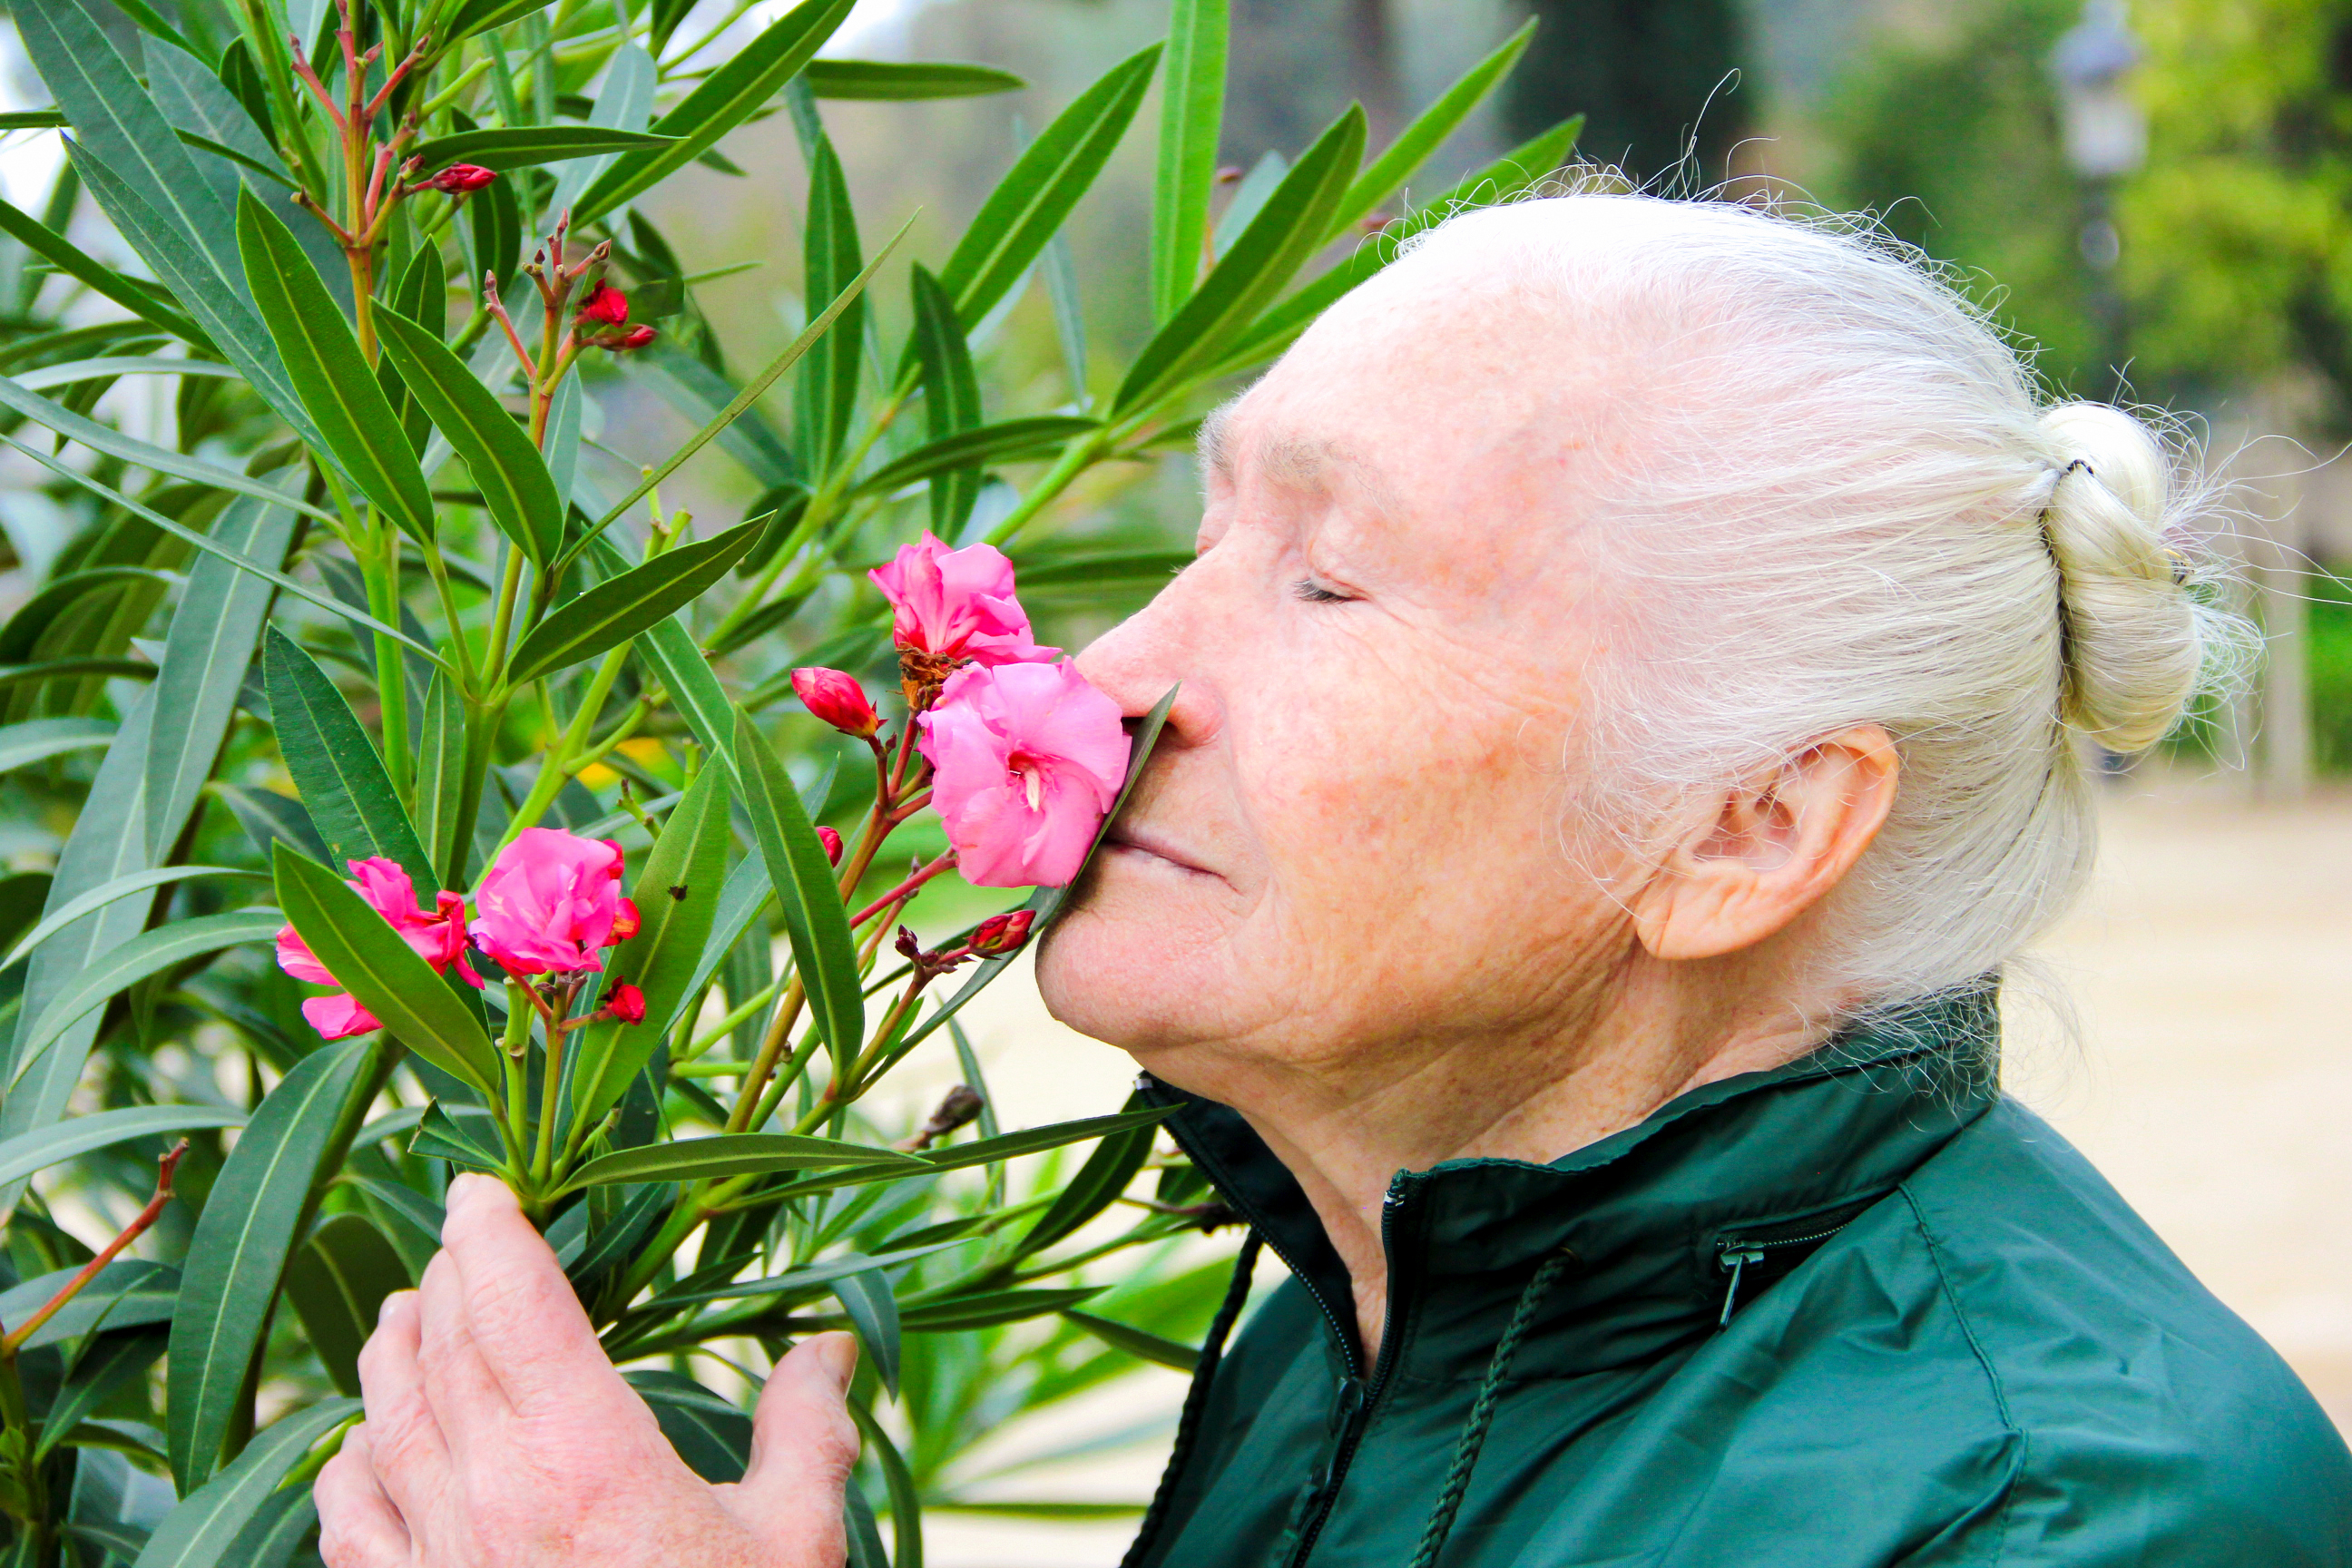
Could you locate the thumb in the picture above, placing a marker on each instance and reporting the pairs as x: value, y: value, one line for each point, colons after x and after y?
x: 804, y: 1446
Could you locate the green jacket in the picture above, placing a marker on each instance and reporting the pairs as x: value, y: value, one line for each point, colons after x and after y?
x: 1858, y: 1311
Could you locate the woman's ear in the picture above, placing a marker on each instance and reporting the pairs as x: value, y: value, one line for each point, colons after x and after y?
x: 1775, y: 846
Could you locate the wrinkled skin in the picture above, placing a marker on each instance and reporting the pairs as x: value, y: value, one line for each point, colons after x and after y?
x: 499, y: 1435
x: 1351, y: 901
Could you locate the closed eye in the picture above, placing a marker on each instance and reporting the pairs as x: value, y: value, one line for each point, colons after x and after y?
x: 1315, y: 592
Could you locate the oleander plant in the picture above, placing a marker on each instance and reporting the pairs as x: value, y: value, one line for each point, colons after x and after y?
x: 390, y: 791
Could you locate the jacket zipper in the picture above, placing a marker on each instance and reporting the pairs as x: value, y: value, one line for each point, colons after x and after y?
x: 1374, y: 1385
x: 1734, y: 1256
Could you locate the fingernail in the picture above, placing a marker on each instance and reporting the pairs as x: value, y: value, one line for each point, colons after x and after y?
x: 384, y: 1312
x: 837, y: 1353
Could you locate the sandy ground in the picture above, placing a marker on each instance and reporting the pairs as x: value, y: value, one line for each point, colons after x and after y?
x: 2208, y: 1071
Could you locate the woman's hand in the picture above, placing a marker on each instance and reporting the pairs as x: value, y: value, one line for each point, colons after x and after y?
x: 499, y: 1435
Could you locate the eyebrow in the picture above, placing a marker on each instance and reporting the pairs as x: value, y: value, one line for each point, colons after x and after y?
x: 1289, y: 460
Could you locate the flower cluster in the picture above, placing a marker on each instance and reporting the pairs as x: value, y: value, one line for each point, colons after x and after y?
x: 1025, y: 755
x: 548, y: 904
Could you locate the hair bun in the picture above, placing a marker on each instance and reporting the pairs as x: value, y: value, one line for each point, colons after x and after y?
x: 2134, y: 644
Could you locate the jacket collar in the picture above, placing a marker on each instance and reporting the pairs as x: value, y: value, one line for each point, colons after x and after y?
x: 1646, y: 1214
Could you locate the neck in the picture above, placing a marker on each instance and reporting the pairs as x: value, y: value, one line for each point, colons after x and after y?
x: 1344, y: 1125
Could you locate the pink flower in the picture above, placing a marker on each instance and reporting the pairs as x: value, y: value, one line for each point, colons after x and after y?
x: 1026, y: 760
x: 838, y: 700
x: 1001, y: 935
x: 832, y: 842
x: 957, y: 604
x: 439, y: 939
x: 550, y: 901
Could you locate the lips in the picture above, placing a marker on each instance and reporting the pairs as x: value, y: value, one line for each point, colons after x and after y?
x: 1141, y: 840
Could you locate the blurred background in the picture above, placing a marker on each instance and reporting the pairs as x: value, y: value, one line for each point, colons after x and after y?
x: 2157, y: 198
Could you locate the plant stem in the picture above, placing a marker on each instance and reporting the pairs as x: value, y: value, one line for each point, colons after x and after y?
x: 903, y: 890
x: 138, y: 1226
x: 1077, y: 459
x: 494, y: 657
x: 720, y: 1030
x: 780, y: 1030
x: 381, y: 568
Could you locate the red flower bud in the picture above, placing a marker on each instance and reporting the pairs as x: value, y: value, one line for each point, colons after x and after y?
x: 838, y: 700
x: 459, y: 178
x: 634, y: 338
x: 626, y: 921
x: 832, y: 842
x: 1000, y: 936
x: 625, y: 1002
x: 605, y: 304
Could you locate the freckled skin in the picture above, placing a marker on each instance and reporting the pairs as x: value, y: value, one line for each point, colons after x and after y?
x: 1345, y: 903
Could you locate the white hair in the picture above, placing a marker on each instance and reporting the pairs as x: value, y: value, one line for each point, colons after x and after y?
x: 1830, y: 494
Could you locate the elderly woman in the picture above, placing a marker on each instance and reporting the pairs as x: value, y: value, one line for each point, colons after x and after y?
x: 1636, y: 684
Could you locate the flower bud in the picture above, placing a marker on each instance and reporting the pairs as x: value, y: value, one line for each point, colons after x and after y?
x: 832, y: 842
x: 962, y: 1106
x: 626, y: 921
x: 459, y: 178
x: 838, y: 700
x: 625, y: 1003
x: 906, y: 944
x: 634, y: 338
x: 1000, y: 936
x: 605, y: 304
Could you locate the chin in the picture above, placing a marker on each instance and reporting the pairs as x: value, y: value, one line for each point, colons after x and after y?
x: 1127, y: 969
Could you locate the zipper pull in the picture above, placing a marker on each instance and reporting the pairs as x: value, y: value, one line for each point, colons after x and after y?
x: 1735, y: 1257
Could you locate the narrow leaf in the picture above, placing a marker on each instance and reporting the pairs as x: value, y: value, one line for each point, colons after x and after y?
x: 508, y: 470
x: 1192, y: 117
x: 150, y: 953
x: 1428, y: 131
x: 368, y: 958
x: 337, y: 1281
x: 204, y: 1529
x: 722, y: 100
x: 522, y: 146
x: 625, y: 102
x: 1007, y: 440
x: 98, y: 898
x: 613, y: 611
x: 335, y: 766
x: 239, y: 1253
x: 441, y: 779
x: 677, y: 896
x: 54, y: 248
x: 829, y: 375
x: 1036, y: 194
x: 35, y: 740
x: 735, y: 1154
x: 103, y: 1369
x: 144, y: 454
x: 906, y: 78
x: 355, y: 423
x: 21, y: 1156
x: 129, y: 1292
x: 865, y: 1299
x: 952, y: 403
x: 1137, y: 1342
x: 989, y: 1309
x: 816, y: 922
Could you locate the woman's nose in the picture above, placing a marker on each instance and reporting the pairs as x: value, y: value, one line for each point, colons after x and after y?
x: 1137, y: 661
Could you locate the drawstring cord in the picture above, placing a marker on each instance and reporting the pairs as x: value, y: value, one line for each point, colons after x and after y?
x: 1196, y: 1398
x: 1482, y: 1412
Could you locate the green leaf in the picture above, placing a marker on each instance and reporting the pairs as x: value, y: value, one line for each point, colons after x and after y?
x: 337, y: 1282
x: 816, y: 922
x: 145, y: 454
x: 951, y: 402
x: 753, y: 391
x: 242, y: 1242
x: 722, y: 100
x: 866, y: 1301
x: 440, y: 1136
x: 710, y: 1435
x: 808, y: 1282
x: 1007, y: 440
x: 206, y: 656
x: 828, y: 376
x: 898, y: 1479
x: 698, y: 392
x: 735, y: 1154
x: 988, y: 1309
x: 37, y: 738
x: 1192, y: 117
x: 98, y: 898
x: 1099, y: 1182
x: 72, y: 370
x: 335, y: 767
x: 129, y: 1292
x: 522, y: 146
x: 368, y: 958
x: 204, y: 1529
x: 150, y: 953
x: 1029, y: 204
x: 745, y: 894
x: 619, y: 609
x: 104, y: 1369
x: 422, y: 297
x: 1428, y: 131
x: 1136, y: 1343
x: 906, y: 78
x: 23, y: 1155
x: 512, y: 476
x: 242, y: 562
x: 677, y: 896
x: 1093, y: 576
x: 355, y: 422
x: 625, y: 102
x: 669, y: 649
x: 1287, y: 230
x: 441, y: 778
x: 1505, y: 177
x: 22, y: 634
x: 65, y: 668
x: 54, y: 248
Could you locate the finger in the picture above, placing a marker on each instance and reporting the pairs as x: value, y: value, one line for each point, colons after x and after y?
x: 524, y: 1316
x: 358, y: 1525
x: 468, y: 1400
x: 408, y: 1454
x: 804, y: 1446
